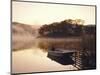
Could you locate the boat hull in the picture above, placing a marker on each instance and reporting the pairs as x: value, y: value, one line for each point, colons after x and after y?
x: 62, y: 57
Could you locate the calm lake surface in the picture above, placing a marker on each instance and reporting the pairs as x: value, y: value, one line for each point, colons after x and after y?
x: 35, y: 59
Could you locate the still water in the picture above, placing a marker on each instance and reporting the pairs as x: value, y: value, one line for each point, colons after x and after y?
x: 35, y: 60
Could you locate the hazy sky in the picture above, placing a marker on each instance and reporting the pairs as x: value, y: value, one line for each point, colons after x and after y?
x: 40, y: 13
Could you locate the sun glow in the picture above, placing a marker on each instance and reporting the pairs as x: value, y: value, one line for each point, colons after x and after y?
x: 41, y: 13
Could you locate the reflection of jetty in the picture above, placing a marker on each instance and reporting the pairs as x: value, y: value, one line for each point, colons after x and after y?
x: 72, y: 57
x: 66, y: 57
x: 63, y: 57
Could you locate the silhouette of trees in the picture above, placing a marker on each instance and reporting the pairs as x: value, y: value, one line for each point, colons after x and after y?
x: 64, y: 28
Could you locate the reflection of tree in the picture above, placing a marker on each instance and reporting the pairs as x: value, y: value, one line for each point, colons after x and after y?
x: 63, y: 44
x: 64, y: 28
x: 89, y: 51
x: 43, y: 45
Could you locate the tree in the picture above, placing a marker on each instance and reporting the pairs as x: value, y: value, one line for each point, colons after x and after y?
x: 67, y: 27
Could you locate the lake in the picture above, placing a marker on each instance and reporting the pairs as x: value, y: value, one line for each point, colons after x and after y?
x: 34, y: 59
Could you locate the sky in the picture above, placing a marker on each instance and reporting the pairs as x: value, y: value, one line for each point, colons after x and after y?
x: 42, y: 13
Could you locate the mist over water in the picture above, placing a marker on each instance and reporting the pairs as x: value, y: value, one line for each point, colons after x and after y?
x: 34, y: 59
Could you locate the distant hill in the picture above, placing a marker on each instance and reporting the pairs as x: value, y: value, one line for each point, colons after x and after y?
x: 23, y: 29
x: 23, y: 35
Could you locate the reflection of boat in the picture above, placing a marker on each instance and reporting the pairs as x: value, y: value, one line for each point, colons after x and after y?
x: 63, y: 57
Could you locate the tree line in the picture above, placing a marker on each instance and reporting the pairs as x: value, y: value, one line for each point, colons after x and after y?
x: 64, y: 28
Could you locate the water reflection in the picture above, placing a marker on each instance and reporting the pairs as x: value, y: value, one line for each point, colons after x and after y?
x: 45, y: 44
x: 37, y: 59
